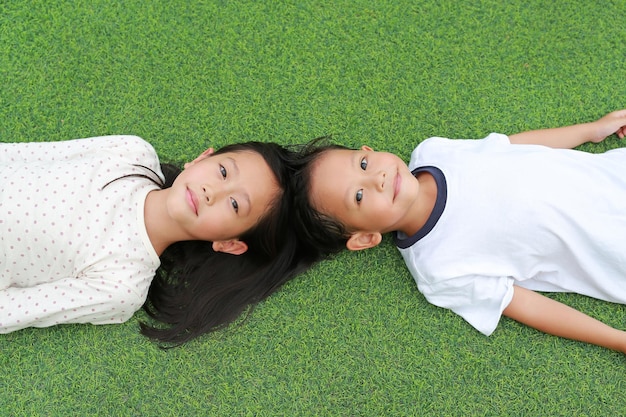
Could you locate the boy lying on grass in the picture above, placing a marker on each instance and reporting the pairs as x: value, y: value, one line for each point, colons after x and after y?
x: 484, y: 224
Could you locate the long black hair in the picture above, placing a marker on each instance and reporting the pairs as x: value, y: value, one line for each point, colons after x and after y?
x: 197, y: 290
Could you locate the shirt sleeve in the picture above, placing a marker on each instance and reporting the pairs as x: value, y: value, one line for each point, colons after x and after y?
x: 479, y: 300
x: 123, y: 145
x: 68, y: 300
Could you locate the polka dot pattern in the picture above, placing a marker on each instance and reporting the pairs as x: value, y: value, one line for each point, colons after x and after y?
x: 73, y: 249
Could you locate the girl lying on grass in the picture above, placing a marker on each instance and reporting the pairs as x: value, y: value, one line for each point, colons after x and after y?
x: 92, y: 229
x: 483, y: 224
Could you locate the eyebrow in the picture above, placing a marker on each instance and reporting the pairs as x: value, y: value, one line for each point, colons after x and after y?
x: 354, y: 160
x: 244, y: 194
x: 234, y: 163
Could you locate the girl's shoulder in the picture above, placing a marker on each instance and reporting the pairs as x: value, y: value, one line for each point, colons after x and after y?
x: 120, y: 142
x: 125, y: 147
x: 115, y: 146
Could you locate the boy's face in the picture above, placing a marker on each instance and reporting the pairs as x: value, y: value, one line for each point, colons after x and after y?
x: 366, y: 191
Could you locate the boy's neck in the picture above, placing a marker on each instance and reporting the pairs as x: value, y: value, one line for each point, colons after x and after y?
x: 426, y: 198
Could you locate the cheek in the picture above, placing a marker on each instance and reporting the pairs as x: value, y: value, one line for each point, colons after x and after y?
x: 376, y: 209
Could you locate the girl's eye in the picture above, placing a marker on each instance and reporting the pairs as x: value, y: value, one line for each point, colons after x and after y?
x: 359, y: 196
x: 364, y: 164
x: 233, y: 202
x: 223, y: 171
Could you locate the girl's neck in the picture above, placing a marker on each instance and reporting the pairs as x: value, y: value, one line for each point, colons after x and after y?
x: 157, y: 221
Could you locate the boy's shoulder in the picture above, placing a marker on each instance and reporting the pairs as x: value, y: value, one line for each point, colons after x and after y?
x: 440, y: 145
x: 491, y: 139
x: 451, y: 154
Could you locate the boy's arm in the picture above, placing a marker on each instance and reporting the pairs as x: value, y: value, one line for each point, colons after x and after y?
x: 553, y: 317
x: 571, y: 136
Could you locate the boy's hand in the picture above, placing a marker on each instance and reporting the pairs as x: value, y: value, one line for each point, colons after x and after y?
x: 612, y: 123
x: 571, y: 136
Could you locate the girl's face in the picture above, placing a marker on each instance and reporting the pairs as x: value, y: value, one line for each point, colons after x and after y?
x: 220, y: 197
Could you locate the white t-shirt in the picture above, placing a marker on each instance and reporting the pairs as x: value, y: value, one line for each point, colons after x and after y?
x: 541, y: 218
x: 72, y: 248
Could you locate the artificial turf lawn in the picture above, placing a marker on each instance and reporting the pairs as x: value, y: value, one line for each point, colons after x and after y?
x: 353, y: 336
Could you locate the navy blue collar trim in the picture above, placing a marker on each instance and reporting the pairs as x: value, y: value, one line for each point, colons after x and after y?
x: 440, y: 205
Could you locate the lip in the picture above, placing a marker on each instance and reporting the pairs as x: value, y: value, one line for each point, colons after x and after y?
x: 396, y: 185
x: 192, y: 200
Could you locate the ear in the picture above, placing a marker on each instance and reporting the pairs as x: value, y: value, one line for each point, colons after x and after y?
x: 200, y: 157
x: 364, y: 240
x: 366, y: 148
x: 233, y: 246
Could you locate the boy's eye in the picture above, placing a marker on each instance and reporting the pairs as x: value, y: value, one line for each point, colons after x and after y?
x: 233, y: 202
x: 359, y: 196
x: 364, y: 164
x: 223, y: 171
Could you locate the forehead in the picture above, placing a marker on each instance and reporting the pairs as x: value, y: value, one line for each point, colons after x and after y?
x: 332, y: 158
x: 330, y: 164
x: 330, y: 176
x: 254, y: 172
x: 248, y: 162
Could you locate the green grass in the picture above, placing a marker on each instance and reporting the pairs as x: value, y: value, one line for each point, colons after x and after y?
x: 353, y: 337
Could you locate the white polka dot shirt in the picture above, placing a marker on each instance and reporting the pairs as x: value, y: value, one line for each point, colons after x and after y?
x: 73, y: 250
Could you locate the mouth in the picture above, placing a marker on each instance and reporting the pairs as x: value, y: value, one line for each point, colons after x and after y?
x: 396, y: 185
x: 192, y: 200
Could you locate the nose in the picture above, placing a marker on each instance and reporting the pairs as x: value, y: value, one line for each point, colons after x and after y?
x: 377, y: 180
x: 211, y: 195
x: 208, y: 195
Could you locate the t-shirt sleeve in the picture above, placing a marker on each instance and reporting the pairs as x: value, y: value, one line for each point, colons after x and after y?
x: 479, y: 300
x: 124, y: 146
x: 435, y: 148
x: 68, y: 300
